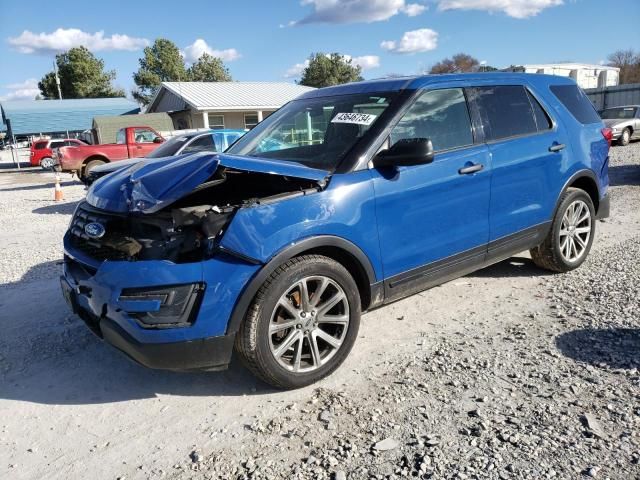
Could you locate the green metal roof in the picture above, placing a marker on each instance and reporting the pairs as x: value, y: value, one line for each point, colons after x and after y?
x: 48, y: 116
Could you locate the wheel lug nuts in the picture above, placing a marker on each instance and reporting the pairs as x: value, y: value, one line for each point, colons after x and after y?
x: 303, y: 314
x: 298, y: 326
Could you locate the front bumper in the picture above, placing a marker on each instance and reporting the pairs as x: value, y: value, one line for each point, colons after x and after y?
x: 94, y: 291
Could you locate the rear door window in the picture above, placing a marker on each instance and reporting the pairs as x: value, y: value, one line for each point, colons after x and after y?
x: 505, y: 111
x: 577, y: 103
x: 439, y: 115
x: 57, y: 144
x: 39, y: 145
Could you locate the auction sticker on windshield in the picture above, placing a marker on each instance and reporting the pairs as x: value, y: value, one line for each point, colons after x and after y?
x: 356, y: 118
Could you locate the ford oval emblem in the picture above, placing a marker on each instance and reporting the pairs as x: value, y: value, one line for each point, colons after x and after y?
x: 94, y: 230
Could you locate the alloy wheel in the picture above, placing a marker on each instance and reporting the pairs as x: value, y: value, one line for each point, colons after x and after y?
x: 309, y: 324
x: 575, y: 231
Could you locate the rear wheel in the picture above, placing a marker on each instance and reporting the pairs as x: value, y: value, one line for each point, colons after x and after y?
x: 46, y: 163
x: 572, y: 230
x: 302, y: 323
x: 625, y: 137
x: 90, y: 165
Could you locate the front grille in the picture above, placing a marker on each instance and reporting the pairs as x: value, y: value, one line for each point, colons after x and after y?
x: 115, y: 227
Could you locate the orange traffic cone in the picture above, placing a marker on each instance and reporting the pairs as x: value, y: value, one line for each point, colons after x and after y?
x: 58, y: 197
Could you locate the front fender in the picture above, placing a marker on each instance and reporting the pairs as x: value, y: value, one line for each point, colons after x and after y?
x: 346, y: 209
x: 341, y: 216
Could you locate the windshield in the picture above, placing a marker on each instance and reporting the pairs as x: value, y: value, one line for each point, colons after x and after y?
x: 621, y: 113
x: 170, y: 147
x: 316, y: 132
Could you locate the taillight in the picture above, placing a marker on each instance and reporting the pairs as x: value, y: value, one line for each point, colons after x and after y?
x: 607, y: 133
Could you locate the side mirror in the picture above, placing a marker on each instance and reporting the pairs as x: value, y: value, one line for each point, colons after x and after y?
x: 158, y: 140
x: 406, y: 152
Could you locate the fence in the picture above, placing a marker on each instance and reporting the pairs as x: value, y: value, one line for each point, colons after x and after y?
x: 617, y: 96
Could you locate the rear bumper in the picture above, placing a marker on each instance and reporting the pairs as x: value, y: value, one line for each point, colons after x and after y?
x: 604, y: 208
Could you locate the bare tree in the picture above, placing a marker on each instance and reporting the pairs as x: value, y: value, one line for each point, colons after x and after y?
x: 459, y: 63
x: 628, y: 61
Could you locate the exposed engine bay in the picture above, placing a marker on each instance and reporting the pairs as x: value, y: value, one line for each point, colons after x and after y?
x: 188, y: 229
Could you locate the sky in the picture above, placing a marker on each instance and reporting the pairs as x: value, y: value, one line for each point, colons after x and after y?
x: 270, y: 40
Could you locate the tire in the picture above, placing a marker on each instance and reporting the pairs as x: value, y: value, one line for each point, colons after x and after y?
x: 555, y: 253
x: 268, y: 327
x: 46, y: 163
x: 87, y: 168
x: 625, y: 137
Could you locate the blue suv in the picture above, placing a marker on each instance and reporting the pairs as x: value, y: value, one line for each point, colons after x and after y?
x: 345, y: 199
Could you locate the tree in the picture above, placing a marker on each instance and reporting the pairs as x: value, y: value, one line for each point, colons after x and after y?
x: 81, y: 75
x: 326, y: 70
x: 208, y: 69
x: 459, y: 63
x: 162, y: 62
x: 628, y: 62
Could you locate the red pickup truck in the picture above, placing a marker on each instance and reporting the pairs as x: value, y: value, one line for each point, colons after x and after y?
x: 131, y: 142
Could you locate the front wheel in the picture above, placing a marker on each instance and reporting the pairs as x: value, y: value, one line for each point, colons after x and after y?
x: 572, y: 230
x: 302, y: 323
x: 625, y: 137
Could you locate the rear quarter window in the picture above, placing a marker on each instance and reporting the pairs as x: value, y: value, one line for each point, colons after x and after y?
x: 574, y: 99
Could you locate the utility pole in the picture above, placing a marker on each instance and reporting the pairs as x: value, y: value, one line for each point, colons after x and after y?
x: 55, y: 69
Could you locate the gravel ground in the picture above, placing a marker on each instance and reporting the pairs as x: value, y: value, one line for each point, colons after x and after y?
x: 510, y: 372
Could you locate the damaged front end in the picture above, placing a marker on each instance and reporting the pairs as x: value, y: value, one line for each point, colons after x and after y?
x: 177, y: 209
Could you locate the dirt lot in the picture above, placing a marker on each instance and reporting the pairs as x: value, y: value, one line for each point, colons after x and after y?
x: 507, y: 373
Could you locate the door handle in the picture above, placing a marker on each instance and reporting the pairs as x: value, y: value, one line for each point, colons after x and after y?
x: 471, y: 169
x: 556, y: 147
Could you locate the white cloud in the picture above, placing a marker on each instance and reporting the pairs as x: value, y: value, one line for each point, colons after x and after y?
x: 414, y: 9
x: 26, y: 90
x: 296, y: 70
x: 355, y: 11
x: 63, y: 39
x: 194, y: 51
x: 365, y: 62
x: 421, y: 40
x: 513, y: 8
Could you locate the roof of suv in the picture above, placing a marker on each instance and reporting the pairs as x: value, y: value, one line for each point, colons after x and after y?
x: 422, y: 81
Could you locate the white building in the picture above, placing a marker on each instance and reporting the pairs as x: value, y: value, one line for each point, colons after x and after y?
x: 219, y: 105
x: 585, y: 75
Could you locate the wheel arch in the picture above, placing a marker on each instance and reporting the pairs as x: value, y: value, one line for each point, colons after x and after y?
x: 584, y: 180
x: 342, y: 251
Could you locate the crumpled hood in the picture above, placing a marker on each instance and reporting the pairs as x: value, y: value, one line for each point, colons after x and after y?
x: 152, y: 184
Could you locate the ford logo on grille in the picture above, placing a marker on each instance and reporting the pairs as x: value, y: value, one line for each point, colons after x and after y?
x: 94, y: 230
